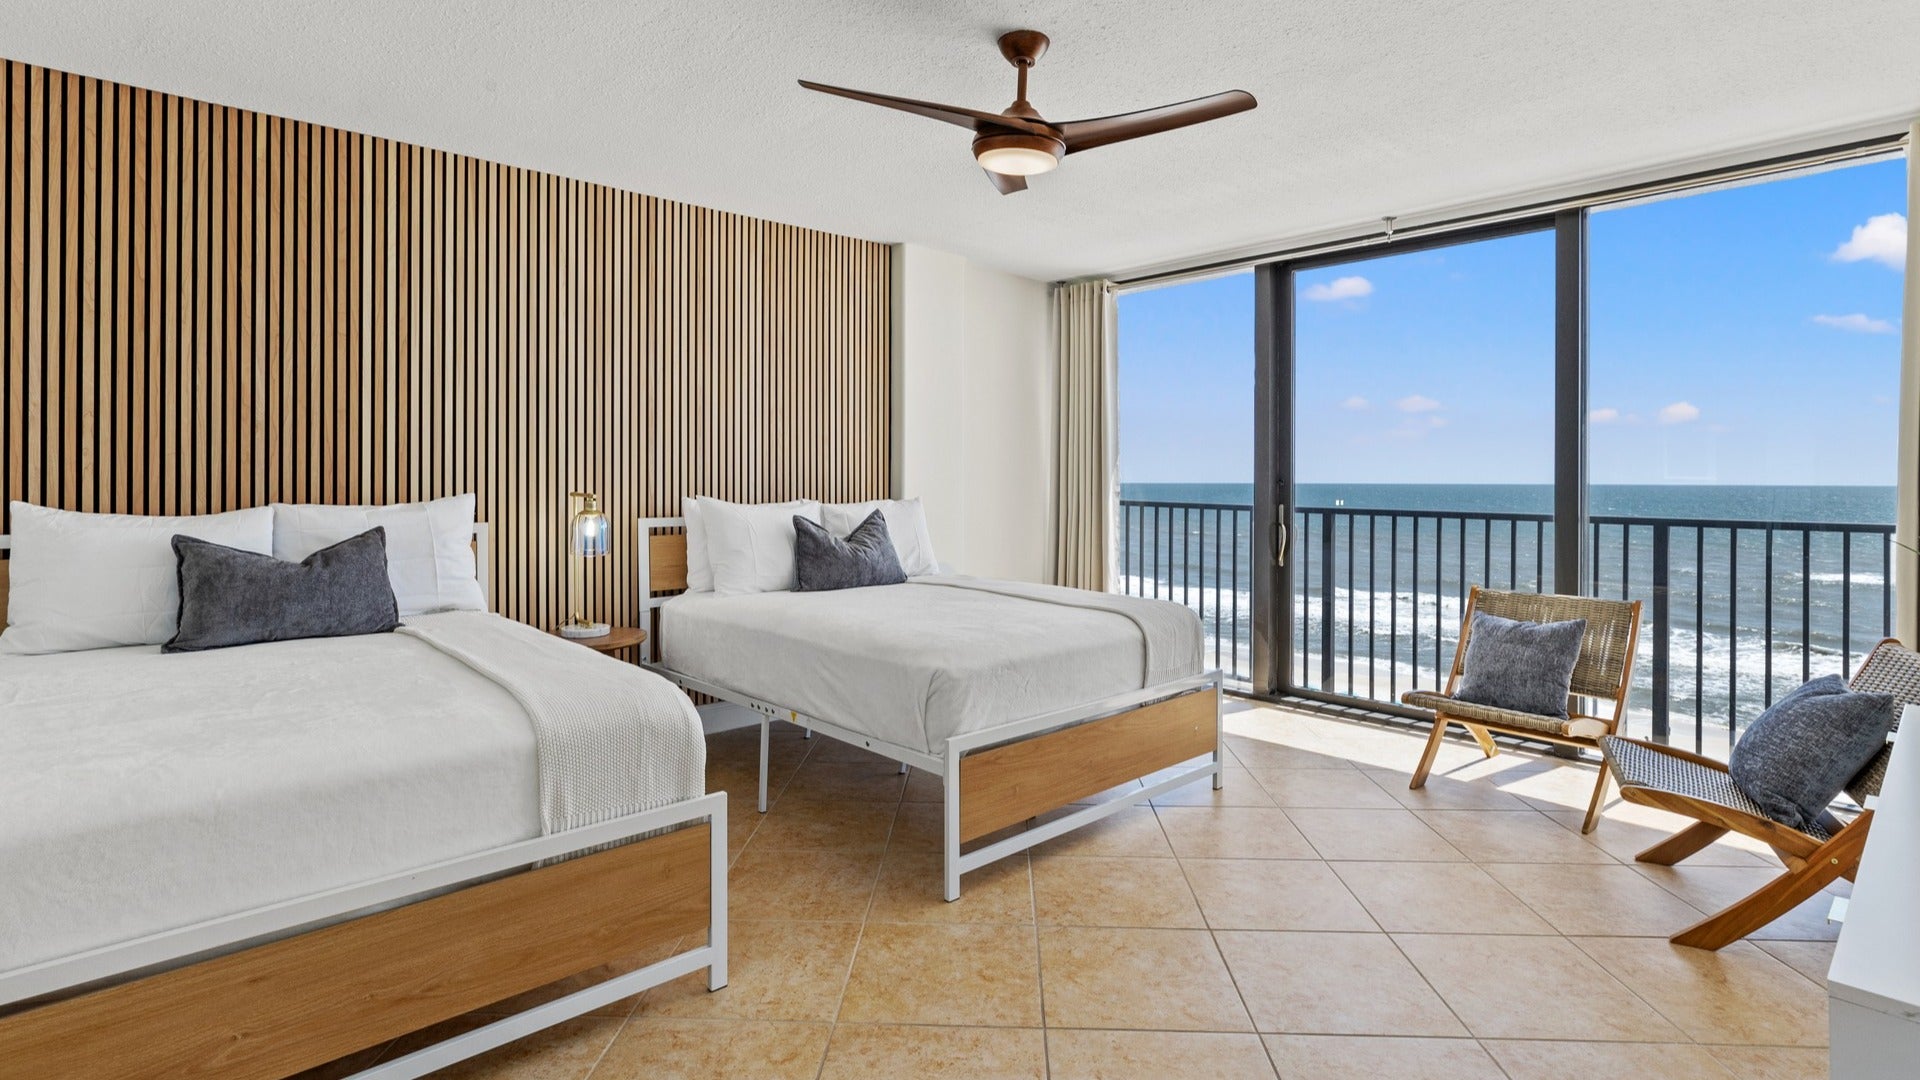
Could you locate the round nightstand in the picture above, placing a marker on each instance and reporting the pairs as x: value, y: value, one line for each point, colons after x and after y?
x: 620, y: 637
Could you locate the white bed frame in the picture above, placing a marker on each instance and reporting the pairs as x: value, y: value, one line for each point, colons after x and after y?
x: 55, y: 980
x: 947, y: 765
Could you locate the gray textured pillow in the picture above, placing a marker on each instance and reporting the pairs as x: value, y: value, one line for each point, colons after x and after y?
x: 233, y: 597
x: 823, y: 561
x: 1524, y: 666
x: 1797, y: 756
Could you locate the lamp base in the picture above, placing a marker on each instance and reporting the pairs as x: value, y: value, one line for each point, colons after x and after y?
x: 584, y: 630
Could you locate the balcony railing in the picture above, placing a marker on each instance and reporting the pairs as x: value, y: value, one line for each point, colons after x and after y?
x: 1736, y: 611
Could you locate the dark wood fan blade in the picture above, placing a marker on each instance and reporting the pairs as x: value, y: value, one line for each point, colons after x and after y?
x: 1088, y: 134
x: 952, y: 114
x: 1006, y: 185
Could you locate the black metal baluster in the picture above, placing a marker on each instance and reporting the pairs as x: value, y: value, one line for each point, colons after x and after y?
x: 1733, y: 631
x: 1662, y: 634
x: 1846, y: 603
x: 1539, y: 557
x: 1349, y: 518
x: 1806, y: 605
x: 1886, y: 585
x: 1373, y: 576
x: 1439, y: 591
x: 1767, y: 658
x: 1414, y: 650
x: 1393, y: 610
x: 1699, y: 636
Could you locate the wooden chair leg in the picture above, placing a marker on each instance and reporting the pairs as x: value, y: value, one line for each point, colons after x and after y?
x: 1835, y: 859
x: 1599, y: 799
x: 1682, y: 844
x: 1427, y: 755
x: 1484, y: 738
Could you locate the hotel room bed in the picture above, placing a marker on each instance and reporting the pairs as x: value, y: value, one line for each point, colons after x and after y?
x: 141, y: 792
x: 250, y: 861
x: 936, y: 657
x: 1025, y: 699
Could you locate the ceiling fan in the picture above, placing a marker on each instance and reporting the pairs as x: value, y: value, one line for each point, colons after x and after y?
x: 1018, y: 143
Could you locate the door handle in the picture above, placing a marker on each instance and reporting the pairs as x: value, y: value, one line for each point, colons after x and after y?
x: 1280, y: 535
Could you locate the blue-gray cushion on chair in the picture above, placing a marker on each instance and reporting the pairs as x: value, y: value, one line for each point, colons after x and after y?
x: 823, y: 561
x: 1798, y: 754
x: 233, y: 597
x: 1523, y: 666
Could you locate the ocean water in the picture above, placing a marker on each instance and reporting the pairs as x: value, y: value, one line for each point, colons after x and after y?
x: 1754, y: 603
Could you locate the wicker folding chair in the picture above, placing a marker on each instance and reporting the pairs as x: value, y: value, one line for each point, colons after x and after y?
x: 1603, y: 674
x: 1700, y: 788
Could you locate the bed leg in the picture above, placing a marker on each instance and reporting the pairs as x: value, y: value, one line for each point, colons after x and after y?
x: 951, y: 827
x: 903, y: 768
x: 717, y: 901
x: 1219, y: 735
x: 766, y: 726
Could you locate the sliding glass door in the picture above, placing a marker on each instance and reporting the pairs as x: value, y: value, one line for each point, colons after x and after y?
x: 1422, y: 454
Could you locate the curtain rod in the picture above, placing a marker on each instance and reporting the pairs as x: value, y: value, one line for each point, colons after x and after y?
x: 1882, y: 144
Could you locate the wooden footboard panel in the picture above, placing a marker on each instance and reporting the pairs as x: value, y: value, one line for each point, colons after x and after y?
x: 288, y: 1005
x: 1008, y: 784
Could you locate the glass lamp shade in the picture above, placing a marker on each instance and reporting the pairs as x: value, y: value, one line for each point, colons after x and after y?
x: 588, y: 533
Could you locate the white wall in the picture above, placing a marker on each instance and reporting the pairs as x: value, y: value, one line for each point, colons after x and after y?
x: 973, y: 415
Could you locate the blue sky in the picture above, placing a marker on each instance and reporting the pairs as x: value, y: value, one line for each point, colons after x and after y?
x: 1741, y: 336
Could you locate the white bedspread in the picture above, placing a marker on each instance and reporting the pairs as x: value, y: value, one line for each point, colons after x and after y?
x: 607, y: 748
x: 914, y: 664
x: 141, y: 792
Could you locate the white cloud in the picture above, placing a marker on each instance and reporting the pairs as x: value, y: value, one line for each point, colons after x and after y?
x: 1882, y: 239
x: 1416, y: 403
x: 1680, y: 412
x: 1602, y: 416
x: 1357, y: 403
x: 1856, y: 323
x: 1341, y: 288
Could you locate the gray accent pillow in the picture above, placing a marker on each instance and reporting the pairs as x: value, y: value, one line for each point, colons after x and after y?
x: 1523, y: 666
x: 233, y: 597
x: 823, y: 561
x: 1801, y: 752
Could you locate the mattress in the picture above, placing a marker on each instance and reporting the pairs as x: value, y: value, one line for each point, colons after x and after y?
x: 917, y: 663
x: 142, y: 792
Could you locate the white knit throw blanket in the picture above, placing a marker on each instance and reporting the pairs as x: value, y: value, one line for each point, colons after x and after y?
x: 613, y: 739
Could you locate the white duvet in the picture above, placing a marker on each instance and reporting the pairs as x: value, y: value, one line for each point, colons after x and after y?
x: 142, y: 792
x: 914, y: 664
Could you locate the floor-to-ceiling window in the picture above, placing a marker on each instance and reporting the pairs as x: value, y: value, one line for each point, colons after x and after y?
x: 1739, y: 369
x: 1186, y: 454
x: 1422, y: 443
x: 1744, y: 363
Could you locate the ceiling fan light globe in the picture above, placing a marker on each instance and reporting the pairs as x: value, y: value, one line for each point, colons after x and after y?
x: 1017, y: 154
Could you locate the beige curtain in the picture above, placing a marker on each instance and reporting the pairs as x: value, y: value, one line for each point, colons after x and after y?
x: 1084, y: 485
x: 1906, y: 568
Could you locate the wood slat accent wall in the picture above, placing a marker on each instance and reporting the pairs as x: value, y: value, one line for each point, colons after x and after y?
x: 208, y: 308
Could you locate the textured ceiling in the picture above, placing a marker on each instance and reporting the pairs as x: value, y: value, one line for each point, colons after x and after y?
x: 1366, y: 108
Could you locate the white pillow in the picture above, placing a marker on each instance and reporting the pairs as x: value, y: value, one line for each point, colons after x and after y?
x: 751, y: 546
x: 699, y: 567
x: 906, y: 526
x: 95, y: 581
x: 429, y: 547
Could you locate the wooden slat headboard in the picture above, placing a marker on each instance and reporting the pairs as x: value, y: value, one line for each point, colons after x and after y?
x: 667, y: 562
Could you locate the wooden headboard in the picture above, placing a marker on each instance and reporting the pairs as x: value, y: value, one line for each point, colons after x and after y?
x: 666, y: 557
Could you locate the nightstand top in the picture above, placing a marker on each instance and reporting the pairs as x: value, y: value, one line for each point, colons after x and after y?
x: 620, y: 637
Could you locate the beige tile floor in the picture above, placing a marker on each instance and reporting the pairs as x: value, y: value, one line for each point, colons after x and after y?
x: 1313, y: 919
